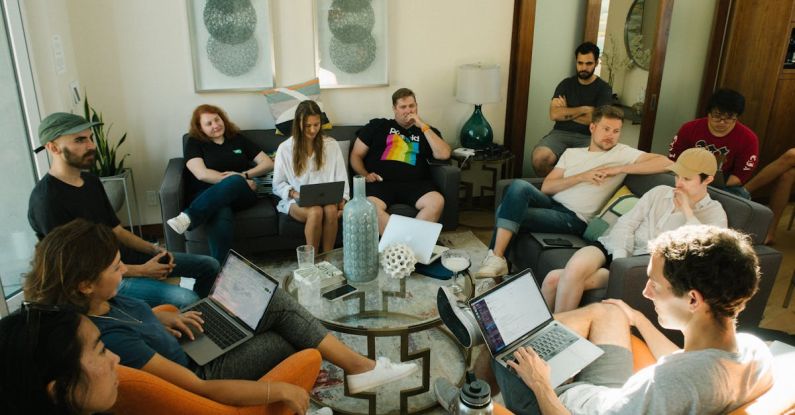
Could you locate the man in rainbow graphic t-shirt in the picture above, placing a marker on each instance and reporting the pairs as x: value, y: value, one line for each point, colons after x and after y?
x: 392, y: 155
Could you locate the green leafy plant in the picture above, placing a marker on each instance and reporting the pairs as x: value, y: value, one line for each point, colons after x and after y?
x: 106, y: 163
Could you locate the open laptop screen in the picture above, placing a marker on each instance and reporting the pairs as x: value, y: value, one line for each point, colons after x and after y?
x: 243, y: 290
x: 510, y: 310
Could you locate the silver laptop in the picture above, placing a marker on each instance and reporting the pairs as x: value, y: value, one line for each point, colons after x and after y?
x: 419, y: 235
x: 514, y: 314
x: 232, y: 311
x: 321, y: 194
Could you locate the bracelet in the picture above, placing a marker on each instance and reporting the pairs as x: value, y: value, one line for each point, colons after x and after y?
x: 425, y: 128
x: 245, y: 174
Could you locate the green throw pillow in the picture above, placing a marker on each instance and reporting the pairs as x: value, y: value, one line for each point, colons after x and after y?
x: 620, y: 203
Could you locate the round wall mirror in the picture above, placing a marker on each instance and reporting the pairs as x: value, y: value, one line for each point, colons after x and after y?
x: 639, y: 31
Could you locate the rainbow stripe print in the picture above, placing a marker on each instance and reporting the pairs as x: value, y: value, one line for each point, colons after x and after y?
x: 400, y: 148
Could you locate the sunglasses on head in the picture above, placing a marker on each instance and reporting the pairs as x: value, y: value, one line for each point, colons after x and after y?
x: 33, y: 312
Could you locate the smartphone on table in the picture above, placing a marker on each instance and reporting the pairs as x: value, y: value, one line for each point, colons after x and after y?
x: 339, y: 292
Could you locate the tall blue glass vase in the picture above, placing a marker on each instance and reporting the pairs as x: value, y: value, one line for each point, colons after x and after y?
x: 476, y: 132
x: 360, y: 236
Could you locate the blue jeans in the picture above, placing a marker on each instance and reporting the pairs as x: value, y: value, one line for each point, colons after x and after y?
x: 202, y: 268
x: 214, y: 208
x: 525, y: 207
x: 739, y: 191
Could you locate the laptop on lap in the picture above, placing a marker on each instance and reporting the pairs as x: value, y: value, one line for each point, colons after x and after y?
x: 232, y: 311
x: 321, y: 194
x: 514, y: 314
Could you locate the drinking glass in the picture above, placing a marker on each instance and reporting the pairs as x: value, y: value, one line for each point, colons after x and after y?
x: 456, y: 260
x: 306, y: 256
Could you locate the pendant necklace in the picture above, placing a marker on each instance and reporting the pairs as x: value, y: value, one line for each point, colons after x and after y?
x: 132, y: 319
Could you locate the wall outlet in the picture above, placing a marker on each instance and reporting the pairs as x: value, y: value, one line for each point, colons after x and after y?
x: 151, y: 198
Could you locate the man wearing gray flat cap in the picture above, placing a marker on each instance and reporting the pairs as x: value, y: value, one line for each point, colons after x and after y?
x: 68, y: 192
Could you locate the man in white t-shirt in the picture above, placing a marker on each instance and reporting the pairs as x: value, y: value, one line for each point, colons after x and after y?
x: 700, y: 278
x: 578, y: 186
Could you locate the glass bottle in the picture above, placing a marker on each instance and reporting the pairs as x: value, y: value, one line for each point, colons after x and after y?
x: 360, y: 236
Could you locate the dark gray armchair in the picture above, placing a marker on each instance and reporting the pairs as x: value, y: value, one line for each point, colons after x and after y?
x: 628, y: 275
x: 261, y: 228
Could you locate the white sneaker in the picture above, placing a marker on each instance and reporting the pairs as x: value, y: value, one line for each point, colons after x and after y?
x: 180, y: 223
x: 492, y: 266
x: 384, y: 372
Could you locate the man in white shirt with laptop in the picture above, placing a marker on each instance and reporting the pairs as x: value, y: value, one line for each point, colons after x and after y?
x: 700, y: 278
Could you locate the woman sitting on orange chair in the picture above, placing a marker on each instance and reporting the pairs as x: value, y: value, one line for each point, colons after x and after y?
x: 53, y: 362
x: 78, y: 264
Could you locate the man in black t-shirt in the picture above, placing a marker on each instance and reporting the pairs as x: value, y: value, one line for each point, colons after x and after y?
x: 67, y: 192
x: 393, y: 154
x: 572, y: 105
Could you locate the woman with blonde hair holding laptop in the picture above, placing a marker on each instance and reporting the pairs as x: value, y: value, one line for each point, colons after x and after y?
x: 310, y: 157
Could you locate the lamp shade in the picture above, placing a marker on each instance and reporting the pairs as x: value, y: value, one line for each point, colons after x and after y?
x: 478, y: 84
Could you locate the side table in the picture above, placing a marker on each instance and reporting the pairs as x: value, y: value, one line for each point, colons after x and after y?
x: 499, y: 167
x: 122, y: 179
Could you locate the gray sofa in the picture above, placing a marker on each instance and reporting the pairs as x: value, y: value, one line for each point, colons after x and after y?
x: 261, y: 228
x: 628, y: 275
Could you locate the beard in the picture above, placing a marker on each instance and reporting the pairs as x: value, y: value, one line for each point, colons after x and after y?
x: 585, y: 74
x: 605, y: 146
x: 83, y: 162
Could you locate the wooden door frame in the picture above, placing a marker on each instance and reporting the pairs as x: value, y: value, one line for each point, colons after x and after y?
x: 717, y: 41
x: 524, y: 16
x: 654, y: 82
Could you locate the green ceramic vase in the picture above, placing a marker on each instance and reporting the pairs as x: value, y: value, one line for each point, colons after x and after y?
x: 476, y: 132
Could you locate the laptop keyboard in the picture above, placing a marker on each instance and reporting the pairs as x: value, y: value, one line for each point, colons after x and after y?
x: 220, y: 330
x: 549, y: 344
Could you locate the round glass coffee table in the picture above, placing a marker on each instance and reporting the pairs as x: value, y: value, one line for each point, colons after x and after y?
x: 389, y: 317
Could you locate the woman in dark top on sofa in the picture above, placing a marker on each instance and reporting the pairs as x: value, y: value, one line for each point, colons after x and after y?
x: 222, y: 162
x: 79, y: 264
x: 54, y: 363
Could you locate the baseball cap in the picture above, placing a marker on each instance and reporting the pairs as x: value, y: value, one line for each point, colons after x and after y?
x: 61, y: 123
x: 693, y: 162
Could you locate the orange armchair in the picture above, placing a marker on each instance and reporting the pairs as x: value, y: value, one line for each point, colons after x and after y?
x: 143, y: 393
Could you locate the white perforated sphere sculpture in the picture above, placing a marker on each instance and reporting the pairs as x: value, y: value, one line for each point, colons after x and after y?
x: 398, y: 260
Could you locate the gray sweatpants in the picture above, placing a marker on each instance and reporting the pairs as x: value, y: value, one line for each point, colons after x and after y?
x: 285, y: 328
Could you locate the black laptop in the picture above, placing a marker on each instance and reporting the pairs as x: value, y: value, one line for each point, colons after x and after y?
x: 321, y: 194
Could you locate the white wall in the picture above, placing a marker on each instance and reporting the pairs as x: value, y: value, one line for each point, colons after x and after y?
x: 43, y: 20
x: 688, y: 41
x: 553, y: 60
x: 133, y: 58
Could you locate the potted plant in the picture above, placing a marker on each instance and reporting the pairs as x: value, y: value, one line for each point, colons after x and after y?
x: 107, y: 165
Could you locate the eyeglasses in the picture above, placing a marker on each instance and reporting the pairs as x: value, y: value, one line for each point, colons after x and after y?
x: 723, y: 116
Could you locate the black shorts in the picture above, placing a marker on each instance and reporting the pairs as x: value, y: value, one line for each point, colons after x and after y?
x: 400, y: 192
x: 608, y: 257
